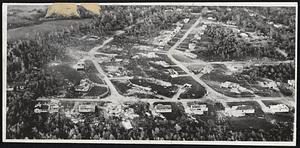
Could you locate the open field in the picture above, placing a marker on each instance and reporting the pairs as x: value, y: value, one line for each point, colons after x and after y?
x: 90, y: 67
x: 22, y: 15
x: 182, y: 58
x: 43, y: 28
x: 95, y: 78
x: 97, y: 91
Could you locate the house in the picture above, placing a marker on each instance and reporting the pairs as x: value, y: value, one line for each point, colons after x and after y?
x: 126, y: 124
x: 228, y: 84
x: 239, y: 111
x: 80, y: 65
x: 190, y: 55
x: 206, y: 69
x: 162, y: 63
x: 84, y: 86
x: 198, y: 109
x: 53, y: 108
x: 186, y: 20
x: 211, y: 18
x: 243, y: 35
x: 278, y: 108
x: 291, y: 83
x: 173, y: 73
x: 270, y: 84
x: 186, y: 85
x: 197, y: 36
x: 192, y: 46
x: 160, y: 108
x: 19, y: 86
x: 86, y: 108
x: 9, y: 88
x: 41, y: 108
x: 118, y: 60
x: 278, y: 25
x: 235, y: 67
x: 149, y: 55
x: 231, y: 22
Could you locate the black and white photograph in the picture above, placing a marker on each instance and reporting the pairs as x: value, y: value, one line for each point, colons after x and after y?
x: 150, y: 73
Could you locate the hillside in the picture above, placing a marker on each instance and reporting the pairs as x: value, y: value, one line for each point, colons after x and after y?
x: 72, y: 10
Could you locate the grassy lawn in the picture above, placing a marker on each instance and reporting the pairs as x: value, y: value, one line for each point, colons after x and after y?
x: 90, y: 67
x: 97, y: 91
x: 121, y: 86
x: 93, y: 77
x: 271, y: 102
x: 182, y: 58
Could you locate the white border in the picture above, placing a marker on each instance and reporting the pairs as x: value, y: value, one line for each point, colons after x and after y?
x: 4, y: 68
x: 258, y: 143
x: 257, y: 4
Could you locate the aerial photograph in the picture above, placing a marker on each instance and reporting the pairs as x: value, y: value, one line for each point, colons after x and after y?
x: 149, y: 72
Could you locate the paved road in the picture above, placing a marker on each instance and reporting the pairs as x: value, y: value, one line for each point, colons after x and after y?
x: 179, y: 64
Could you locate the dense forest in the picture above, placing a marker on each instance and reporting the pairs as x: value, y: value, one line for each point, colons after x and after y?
x: 279, y: 73
x: 262, y: 20
x: 226, y: 45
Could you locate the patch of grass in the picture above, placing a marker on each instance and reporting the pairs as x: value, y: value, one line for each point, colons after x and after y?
x: 271, y: 102
x: 97, y: 91
x: 121, y: 86
x: 95, y: 78
x: 182, y: 58
x: 90, y: 67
